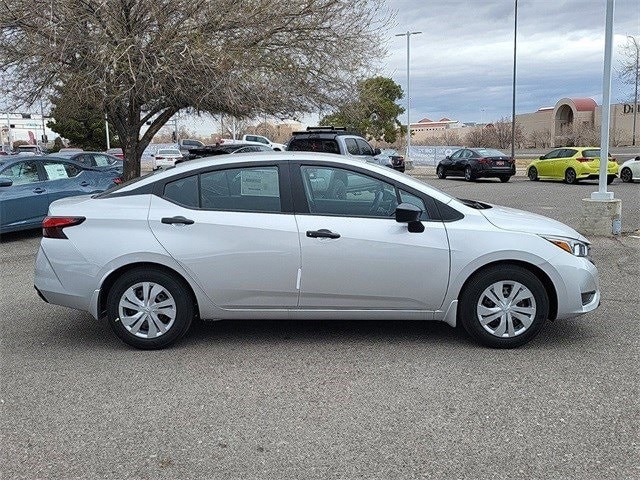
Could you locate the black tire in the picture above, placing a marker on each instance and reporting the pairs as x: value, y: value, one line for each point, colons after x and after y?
x: 440, y: 172
x: 473, y: 291
x: 626, y: 175
x: 468, y: 174
x: 171, y: 284
x: 610, y: 179
x: 504, y: 178
x: 570, y: 176
x: 533, y: 174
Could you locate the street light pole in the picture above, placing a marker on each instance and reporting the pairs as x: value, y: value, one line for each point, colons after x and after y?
x: 106, y: 129
x: 408, y: 35
x: 635, y: 97
x: 513, y: 98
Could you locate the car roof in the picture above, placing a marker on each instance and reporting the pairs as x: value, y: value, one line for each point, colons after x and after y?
x: 275, y: 156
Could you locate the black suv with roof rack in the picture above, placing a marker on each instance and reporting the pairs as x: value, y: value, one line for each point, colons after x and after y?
x: 338, y: 140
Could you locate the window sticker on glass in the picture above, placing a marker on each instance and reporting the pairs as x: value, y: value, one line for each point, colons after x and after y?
x: 56, y: 171
x: 259, y: 183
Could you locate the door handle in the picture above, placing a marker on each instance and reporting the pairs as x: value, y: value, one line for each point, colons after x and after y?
x: 39, y: 190
x: 322, y: 233
x: 84, y: 183
x: 179, y: 220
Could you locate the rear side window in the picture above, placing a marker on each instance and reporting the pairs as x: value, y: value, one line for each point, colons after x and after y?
x: 568, y: 152
x: 60, y: 170
x: 326, y: 145
x: 254, y: 189
x: 103, y: 160
x: 183, y: 191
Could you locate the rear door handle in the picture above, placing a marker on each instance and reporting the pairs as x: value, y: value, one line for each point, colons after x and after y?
x: 39, y: 190
x: 84, y: 184
x: 322, y: 233
x: 179, y: 220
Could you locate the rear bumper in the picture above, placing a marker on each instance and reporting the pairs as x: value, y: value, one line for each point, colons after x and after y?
x: 495, y: 171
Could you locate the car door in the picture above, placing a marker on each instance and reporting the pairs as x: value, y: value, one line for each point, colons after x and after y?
x: 546, y: 164
x: 25, y: 203
x: 458, y: 162
x: 563, y: 161
x: 233, y: 230
x: 354, y: 254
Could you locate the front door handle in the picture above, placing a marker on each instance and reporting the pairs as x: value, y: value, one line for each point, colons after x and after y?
x: 179, y: 220
x: 84, y: 184
x: 322, y: 233
x: 39, y: 190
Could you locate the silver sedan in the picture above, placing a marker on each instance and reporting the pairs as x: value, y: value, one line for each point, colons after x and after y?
x: 307, y: 236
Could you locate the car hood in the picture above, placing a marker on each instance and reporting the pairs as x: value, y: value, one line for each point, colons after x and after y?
x: 521, y: 221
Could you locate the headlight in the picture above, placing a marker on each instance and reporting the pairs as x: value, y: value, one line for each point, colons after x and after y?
x: 570, y: 245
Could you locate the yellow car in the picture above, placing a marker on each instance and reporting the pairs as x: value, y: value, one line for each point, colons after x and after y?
x: 571, y: 164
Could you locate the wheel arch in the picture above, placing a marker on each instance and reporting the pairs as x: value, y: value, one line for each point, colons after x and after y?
x: 537, y: 271
x: 111, y: 278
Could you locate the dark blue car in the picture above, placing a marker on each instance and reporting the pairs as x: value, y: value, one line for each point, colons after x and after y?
x: 97, y: 160
x: 29, y: 184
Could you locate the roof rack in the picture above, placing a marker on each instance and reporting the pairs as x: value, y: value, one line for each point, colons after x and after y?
x: 326, y: 128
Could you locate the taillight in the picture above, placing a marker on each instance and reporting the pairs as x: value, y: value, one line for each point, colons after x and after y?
x: 484, y: 161
x: 583, y: 160
x: 52, y: 226
x: 512, y: 160
x: 159, y: 158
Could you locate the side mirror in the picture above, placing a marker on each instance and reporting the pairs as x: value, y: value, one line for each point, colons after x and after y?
x: 410, y: 214
x: 541, y: 157
x: 5, y: 182
x: 448, y: 157
x: 377, y: 151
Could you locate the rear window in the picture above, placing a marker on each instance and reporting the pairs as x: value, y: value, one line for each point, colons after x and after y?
x: 490, y: 152
x: 592, y: 153
x: 325, y: 145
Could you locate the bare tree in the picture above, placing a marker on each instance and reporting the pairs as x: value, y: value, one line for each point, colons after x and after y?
x: 540, y: 138
x: 145, y: 60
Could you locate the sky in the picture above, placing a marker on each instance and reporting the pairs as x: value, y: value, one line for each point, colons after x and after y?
x: 462, y: 63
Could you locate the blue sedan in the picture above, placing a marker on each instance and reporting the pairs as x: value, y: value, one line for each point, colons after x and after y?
x: 29, y: 184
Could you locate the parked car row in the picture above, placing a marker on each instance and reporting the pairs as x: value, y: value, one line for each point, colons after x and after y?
x: 570, y: 164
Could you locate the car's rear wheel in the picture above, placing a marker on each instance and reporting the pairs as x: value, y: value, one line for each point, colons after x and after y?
x: 468, y: 174
x: 626, y: 175
x: 504, y: 178
x: 570, y: 176
x: 440, y: 172
x: 503, y: 306
x: 533, y: 174
x: 149, y: 308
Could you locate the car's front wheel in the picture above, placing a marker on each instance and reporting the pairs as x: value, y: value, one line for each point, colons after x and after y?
x: 533, y: 174
x: 503, y: 306
x: 149, y: 308
x: 440, y: 172
x: 626, y: 175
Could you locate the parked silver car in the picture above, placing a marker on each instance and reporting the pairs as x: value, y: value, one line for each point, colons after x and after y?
x: 270, y: 236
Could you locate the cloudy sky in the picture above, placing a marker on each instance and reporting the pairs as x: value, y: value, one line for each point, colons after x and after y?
x: 462, y: 63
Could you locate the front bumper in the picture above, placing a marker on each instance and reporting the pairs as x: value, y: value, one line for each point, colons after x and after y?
x: 579, y: 291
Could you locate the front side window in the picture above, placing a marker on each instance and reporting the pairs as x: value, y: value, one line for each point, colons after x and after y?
x: 352, y: 146
x: 365, y: 148
x: 335, y: 191
x: 457, y: 154
x: 21, y: 173
x: 255, y: 189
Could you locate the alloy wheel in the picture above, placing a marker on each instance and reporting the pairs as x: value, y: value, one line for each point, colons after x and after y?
x: 626, y: 175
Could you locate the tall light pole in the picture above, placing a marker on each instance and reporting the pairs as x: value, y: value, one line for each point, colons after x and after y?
x: 408, y: 35
x: 635, y: 96
x: 513, y: 98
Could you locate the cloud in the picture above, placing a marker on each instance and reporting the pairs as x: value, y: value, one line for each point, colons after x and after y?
x: 462, y: 62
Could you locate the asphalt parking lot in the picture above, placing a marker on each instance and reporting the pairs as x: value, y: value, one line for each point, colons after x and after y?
x: 284, y: 399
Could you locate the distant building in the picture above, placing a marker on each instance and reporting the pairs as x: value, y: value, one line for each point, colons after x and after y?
x: 24, y: 126
x: 560, y: 122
